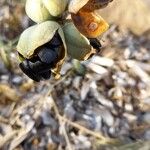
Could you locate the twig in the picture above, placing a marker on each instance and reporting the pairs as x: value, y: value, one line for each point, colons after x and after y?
x: 141, y: 127
x: 3, y: 120
x: 62, y: 122
x: 81, y: 128
x: 104, y: 140
x: 7, y: 137
x: 29, y: 103
x: 58, y: 82
x: 66, y: 137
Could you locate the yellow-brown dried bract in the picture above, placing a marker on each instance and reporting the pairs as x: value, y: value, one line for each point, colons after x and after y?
x: 89, y: 24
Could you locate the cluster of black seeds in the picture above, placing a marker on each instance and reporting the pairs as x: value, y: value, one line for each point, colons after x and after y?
x: 39, y: 67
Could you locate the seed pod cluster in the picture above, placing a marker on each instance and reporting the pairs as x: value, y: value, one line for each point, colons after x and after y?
x: 43, y: 47
x: 42, y: 10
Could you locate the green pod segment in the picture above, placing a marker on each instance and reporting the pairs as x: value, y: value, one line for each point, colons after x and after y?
x: 37, y: 11
x: 38, y: 35
x: 55, y: 7
x: 78, y: 46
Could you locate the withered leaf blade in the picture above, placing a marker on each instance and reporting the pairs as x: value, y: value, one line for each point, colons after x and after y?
x: 8, y: 93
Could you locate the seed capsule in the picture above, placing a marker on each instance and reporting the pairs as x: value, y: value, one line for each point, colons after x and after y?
x: 43, y: 53
x: 36, y: 10
x: 55, y: 7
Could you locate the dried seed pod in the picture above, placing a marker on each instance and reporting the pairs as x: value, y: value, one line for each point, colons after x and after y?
x: 87, y: 5
x: 76, y: 5
x: 92, y: 5
x: 55, y: 7
x: 89, y: 24
x: 36, y: 38
x: 78, y: 46
x: 36, y: 10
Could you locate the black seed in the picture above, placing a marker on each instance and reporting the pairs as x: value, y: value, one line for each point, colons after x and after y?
x: 56, y: 40
x: 47, y: 56
x: 34, y: 59
x: 24, y: 66
x: 20, y: 55
x: 95, y: 43
x: 38, y: 67
x: 46, y: 75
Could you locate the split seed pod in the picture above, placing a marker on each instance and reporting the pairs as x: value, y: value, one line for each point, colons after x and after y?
x: 38, y: 35
x: 55, y: 7
x: 78, y: 46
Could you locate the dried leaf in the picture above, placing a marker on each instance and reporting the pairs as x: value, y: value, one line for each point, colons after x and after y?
x: 6, y: 138
x: 8, y: 93
x: 84, y: 90
x: 97, y: 69
x: 22, y: 134
x: 102, y: 61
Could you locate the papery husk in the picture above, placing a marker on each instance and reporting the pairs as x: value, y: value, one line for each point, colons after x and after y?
x: 87, y: 5
x: 76, y: 5
x: 89, y: 24
x: 93, y: 5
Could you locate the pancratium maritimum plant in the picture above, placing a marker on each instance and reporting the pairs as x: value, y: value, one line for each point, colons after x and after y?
x: 42, y: 48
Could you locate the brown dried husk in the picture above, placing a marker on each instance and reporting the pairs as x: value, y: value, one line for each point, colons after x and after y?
x: 89, y: 24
